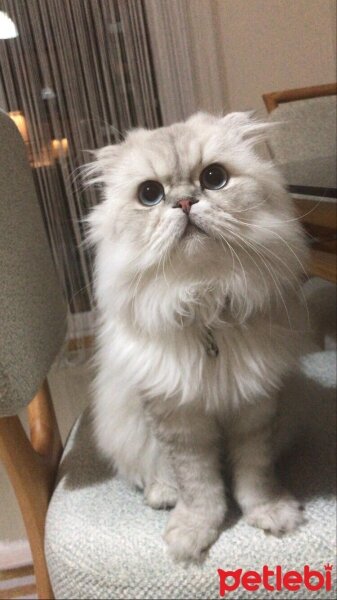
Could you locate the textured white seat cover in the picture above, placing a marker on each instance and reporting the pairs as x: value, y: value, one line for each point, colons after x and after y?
x: 102, y: 541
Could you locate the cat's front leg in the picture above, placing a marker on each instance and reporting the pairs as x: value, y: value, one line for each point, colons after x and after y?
x: 263, y: 501
x: 192, y: 440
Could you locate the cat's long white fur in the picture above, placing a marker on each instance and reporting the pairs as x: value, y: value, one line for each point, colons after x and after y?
x: 158, y: 393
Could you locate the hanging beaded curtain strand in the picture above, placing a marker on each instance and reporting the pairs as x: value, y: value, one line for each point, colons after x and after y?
x: 80, y: 73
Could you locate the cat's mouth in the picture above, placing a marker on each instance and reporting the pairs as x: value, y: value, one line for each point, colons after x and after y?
x: 192, y: 229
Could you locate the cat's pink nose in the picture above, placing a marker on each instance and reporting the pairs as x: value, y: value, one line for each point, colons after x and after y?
x: 185, y: 204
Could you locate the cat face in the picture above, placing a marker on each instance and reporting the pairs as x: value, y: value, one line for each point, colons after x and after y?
x: 193, y: 195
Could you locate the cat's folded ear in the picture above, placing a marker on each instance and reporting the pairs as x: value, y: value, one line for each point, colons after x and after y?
x: 247, y: 126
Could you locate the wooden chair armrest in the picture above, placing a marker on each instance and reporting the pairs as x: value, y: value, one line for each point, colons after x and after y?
x: 314, y: 212
x: 32, y: 468
x: 44, y: 432
x: 323, y: 264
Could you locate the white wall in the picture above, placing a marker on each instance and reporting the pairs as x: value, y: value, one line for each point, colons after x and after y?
x: 271, y: 45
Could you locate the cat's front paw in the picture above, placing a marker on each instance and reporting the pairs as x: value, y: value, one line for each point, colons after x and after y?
x: 279, y: 516
x: 160, y: 494
x: 189, y: 534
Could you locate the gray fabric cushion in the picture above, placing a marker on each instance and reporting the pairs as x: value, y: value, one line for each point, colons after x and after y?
x: 103, y: 542
x: 308, y: 129
x: 32, y: 310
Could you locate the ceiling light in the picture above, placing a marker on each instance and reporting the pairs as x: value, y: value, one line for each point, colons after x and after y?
x: 7, y: 27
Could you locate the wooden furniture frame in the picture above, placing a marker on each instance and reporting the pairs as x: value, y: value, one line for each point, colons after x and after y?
x: 319, y: 220
x: 273, y: 99
x: 32, y: 467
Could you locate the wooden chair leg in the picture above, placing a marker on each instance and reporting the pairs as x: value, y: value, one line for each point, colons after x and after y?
x: 32, y: 473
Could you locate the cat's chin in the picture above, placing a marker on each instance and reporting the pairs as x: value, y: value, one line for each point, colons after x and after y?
x: 193, y: 242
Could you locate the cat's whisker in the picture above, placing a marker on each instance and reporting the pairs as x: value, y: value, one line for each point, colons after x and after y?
x: 285, y: 279
x: 241, y: 265
x: 272, y: 273
x: 299, y: 218
x: 134, y: 290
x: 165, y: 254
x: 222, y: 242
x: 257, y: 266
x: 275, y: 280
x: 286, y: 244
x: 292, y: 281
x: 234, y: 255
x: 250, y: 208
x: 287, y: 267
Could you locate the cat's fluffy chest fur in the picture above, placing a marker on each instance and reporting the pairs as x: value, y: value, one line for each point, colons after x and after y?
x: 221, y: 366
x: 199, y: 258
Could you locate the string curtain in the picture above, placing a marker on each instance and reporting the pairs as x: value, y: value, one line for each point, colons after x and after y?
x: 81, y: 73
x: 188, y: 55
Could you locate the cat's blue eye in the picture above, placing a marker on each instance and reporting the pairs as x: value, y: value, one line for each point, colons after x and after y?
x: 150, y: 193
x: 214, y: 177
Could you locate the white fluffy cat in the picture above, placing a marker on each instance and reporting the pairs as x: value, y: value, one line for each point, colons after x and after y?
x: 198, y: 265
